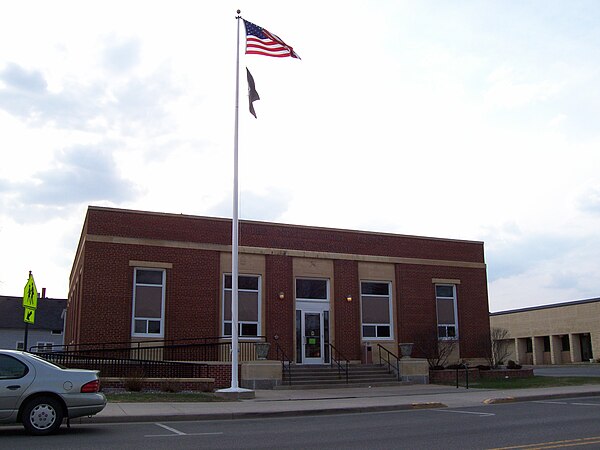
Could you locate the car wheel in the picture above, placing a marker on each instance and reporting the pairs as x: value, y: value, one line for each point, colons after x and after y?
x: 42, y: 415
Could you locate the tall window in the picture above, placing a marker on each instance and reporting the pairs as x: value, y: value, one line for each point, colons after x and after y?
x: 248, y: 305
x: 376, y: 306
x: 446, y: 311
x: 148, y: 302
x: 566, y: 345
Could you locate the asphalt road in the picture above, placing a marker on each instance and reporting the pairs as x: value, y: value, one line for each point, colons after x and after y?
x: 593, y: 370
x: 565, y: 423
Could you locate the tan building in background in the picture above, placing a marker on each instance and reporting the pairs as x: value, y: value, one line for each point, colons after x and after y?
x: 561, y: 333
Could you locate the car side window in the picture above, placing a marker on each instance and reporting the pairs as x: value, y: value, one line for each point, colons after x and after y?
x: 11, y: 368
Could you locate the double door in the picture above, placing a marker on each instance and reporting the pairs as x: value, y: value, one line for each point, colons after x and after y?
x: 312, y: 335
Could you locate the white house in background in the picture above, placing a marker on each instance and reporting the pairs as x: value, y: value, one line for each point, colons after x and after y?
x: 46, y: 332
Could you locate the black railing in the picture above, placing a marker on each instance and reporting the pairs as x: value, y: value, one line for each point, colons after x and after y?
x: 466, y: 368
x: 126, y: 368
x: 183, y: 358
x: 95, y: 346
x: 286, y: 364
x: 199, y: 349
x: 392, y: 361
x: 340, y: 360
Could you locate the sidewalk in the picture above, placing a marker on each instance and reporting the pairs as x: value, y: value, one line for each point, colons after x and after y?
x: 280, y: 403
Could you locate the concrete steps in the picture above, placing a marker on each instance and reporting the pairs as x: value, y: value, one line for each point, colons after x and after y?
x: 328, y: 377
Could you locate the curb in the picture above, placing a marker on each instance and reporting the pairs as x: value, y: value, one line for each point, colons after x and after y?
x: 254, y: 414
x: 530, y: 398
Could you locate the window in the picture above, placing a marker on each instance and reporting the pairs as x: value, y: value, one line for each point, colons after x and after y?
x: 546, y: 343
x: 11, y: 368
x: 20, y: 345
x: 56, y: 332
x: 528, y: 345
x: 445, y: 295
x: 248, y: 305
x: 566, y: 346
x: 307, y: 289
x: 376, y: 309
x: 44, y: 346
x: 148, y: 302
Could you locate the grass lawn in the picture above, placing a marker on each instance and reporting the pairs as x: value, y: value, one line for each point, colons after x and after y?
x: 531, y: 382
x: 135, y: 397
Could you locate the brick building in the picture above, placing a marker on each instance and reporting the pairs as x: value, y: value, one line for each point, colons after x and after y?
x: 140, y: 275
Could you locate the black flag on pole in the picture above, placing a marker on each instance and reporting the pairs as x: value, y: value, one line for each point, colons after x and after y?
x: 252, y: 94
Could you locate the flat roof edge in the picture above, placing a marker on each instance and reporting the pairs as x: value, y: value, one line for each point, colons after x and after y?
x: 553, y: 305
x: 278, y: 224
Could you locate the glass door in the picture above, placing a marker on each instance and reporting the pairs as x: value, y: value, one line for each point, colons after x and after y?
x: 313, y: 337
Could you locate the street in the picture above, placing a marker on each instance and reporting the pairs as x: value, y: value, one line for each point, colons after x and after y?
x: 591, y: 370
x: 563, y: 423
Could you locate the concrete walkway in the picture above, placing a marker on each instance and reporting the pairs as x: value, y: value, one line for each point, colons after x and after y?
x: 280, y: 403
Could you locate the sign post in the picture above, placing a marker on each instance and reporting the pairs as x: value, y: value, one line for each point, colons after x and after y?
x: 30, y: 299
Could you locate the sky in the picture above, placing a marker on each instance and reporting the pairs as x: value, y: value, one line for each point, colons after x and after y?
x: 473, y: 120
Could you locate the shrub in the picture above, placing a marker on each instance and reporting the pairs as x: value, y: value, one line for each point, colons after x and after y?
x: 170, y: 385
x: 483, y: 367
x: 135, y: 381
x: 455, y: 366
x: 513, y: 365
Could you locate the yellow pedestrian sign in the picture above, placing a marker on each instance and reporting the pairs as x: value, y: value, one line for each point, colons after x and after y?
x: 30, y: 294
x: 29, y: 316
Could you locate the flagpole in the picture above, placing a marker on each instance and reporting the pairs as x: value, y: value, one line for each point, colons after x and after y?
x: 234, y: 239
x: 235, y: 226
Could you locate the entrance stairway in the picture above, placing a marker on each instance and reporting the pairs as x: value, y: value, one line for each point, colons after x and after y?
x: 328, y: 377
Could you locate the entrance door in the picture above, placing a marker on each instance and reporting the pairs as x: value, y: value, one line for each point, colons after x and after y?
x: 312, y: 337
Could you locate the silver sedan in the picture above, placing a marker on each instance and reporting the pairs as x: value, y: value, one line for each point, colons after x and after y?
x: 40, y: 394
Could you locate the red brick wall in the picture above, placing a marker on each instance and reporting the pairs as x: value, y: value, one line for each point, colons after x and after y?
x: 191, y: 297
x: 259, y: 234
x: 279, y: 314
x: 347, y: 314
x: 417, y: 317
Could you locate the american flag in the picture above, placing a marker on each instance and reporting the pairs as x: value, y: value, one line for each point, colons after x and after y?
x: 260, y: 42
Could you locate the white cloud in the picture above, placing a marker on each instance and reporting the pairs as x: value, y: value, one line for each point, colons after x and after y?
x: 506, y: 90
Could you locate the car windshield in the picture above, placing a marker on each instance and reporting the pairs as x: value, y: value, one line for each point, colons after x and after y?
x: 46, y: 362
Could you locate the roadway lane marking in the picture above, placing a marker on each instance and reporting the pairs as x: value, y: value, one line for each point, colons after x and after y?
x: 554, y: 444
x: 465, y: 412
x: 181, y: 433
x: 569, y: 403
x: 551, y: 403
x: 177, y: 432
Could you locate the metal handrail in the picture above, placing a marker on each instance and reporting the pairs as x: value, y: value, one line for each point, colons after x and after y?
x: 126, y: 367
x: 463, y: 366
x: 207, y: 351
x: 284, y: 359
x: 94, y: 346
x: 339, y: 362
x: 389, y: 363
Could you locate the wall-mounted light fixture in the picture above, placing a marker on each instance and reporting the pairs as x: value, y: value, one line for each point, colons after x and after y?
x: 348, y: 298
x: 281, y: 295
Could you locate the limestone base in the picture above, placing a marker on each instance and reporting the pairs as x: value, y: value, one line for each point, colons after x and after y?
x: 414, y: 370
x: 263, y: 374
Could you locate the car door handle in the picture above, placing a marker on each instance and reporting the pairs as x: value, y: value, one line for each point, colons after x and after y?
x: 13, y: 387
